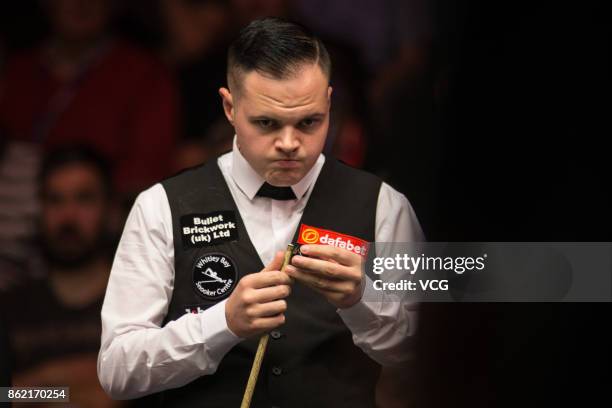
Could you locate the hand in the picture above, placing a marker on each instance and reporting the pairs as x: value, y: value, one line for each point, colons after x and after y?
x: 335, y: 273
x: 257, y: 304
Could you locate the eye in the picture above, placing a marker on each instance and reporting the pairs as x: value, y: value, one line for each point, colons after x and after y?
x: 53, y: 198
x: 265, y: 123
x: 308, y: 123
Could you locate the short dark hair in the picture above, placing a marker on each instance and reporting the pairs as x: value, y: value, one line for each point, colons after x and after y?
x: 76, y: 154
x: 274, y: 47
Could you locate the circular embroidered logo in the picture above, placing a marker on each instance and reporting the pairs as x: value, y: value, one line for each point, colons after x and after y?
x: 214, y: 276
x: 310, y: 236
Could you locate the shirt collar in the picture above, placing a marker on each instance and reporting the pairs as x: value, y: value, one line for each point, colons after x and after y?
x: 249, y: 181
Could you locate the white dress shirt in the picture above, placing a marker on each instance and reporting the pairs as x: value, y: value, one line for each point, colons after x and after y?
x: 139, y: 357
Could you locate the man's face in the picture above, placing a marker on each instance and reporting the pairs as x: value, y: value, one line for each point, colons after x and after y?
x: 74, y: 212
x: 280, y: 124
x: 79, y: 20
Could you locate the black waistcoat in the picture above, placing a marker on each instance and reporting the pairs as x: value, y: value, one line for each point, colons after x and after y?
x: 311, y: 360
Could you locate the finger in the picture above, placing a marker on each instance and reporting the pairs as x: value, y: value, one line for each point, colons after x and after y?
x: 268, y: 294
x: 265, y: 279
x: 268, y: 323
x: 276, y: 262
x: 326, y: 269
x: 267, y: 309
x: 317, y: 281
x: 340, y: 255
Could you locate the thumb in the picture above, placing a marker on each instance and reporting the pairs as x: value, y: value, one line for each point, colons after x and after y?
x: 276, y: 263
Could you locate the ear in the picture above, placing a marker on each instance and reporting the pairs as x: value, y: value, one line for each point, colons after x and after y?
x: 228, y: 104
x: 329, y: 93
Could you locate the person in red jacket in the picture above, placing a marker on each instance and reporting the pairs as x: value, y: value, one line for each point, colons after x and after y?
x: 83, y: 86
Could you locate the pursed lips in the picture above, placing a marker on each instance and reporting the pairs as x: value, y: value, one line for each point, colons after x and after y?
x: 287, y: 163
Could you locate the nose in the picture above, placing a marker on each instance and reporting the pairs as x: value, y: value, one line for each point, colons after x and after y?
x: 66, y: 212
x: 287, y: 140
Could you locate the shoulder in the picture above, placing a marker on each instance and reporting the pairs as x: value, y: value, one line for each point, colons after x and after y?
x: 346, y: 174
x: 391, y: 201
x: 150, y: 204
x: 392, y: 195
x: 190, y: 175
x: 151, y: 194
x: 344, y: 169
x: 150, y: 212
x: 349, y: 179
x: 396, y: 218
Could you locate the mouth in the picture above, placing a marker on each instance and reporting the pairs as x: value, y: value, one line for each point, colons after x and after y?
x: 287, y: 163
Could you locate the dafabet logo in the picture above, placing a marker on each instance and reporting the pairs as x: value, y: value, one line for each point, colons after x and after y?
x: 314, y: 235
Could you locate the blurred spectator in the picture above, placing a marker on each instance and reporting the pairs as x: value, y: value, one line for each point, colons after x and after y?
x: 379, y: 29
x: 245, y: 11
x: 347, y: 139
x: 193, y: 152
x: 54, y: 323
x: 18, y: 208
x: 5, y: 368
x: 394, y: 42
x: 82, y: 85
x: 197, y: 35
x: 194, y: 27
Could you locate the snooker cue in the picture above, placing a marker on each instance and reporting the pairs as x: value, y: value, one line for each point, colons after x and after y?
x: 261, y: 349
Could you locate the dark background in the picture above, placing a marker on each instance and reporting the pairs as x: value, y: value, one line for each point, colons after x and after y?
x: 524, y: 128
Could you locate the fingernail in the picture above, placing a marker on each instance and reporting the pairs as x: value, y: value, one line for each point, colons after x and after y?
x: 304, y: 248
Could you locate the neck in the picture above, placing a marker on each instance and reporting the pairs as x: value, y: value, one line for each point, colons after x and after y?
x: 82, y: 286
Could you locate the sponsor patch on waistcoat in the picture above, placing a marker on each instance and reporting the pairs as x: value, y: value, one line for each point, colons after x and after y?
x: 214, y: 276
x: 314, y: 235
x: 200, y: 230
x: 195, y: 309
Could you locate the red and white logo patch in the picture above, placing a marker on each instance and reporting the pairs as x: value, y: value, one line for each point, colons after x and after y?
x: 314, y: 235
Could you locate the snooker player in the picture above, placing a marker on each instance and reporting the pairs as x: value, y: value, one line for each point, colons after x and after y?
x: 196, y: 279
